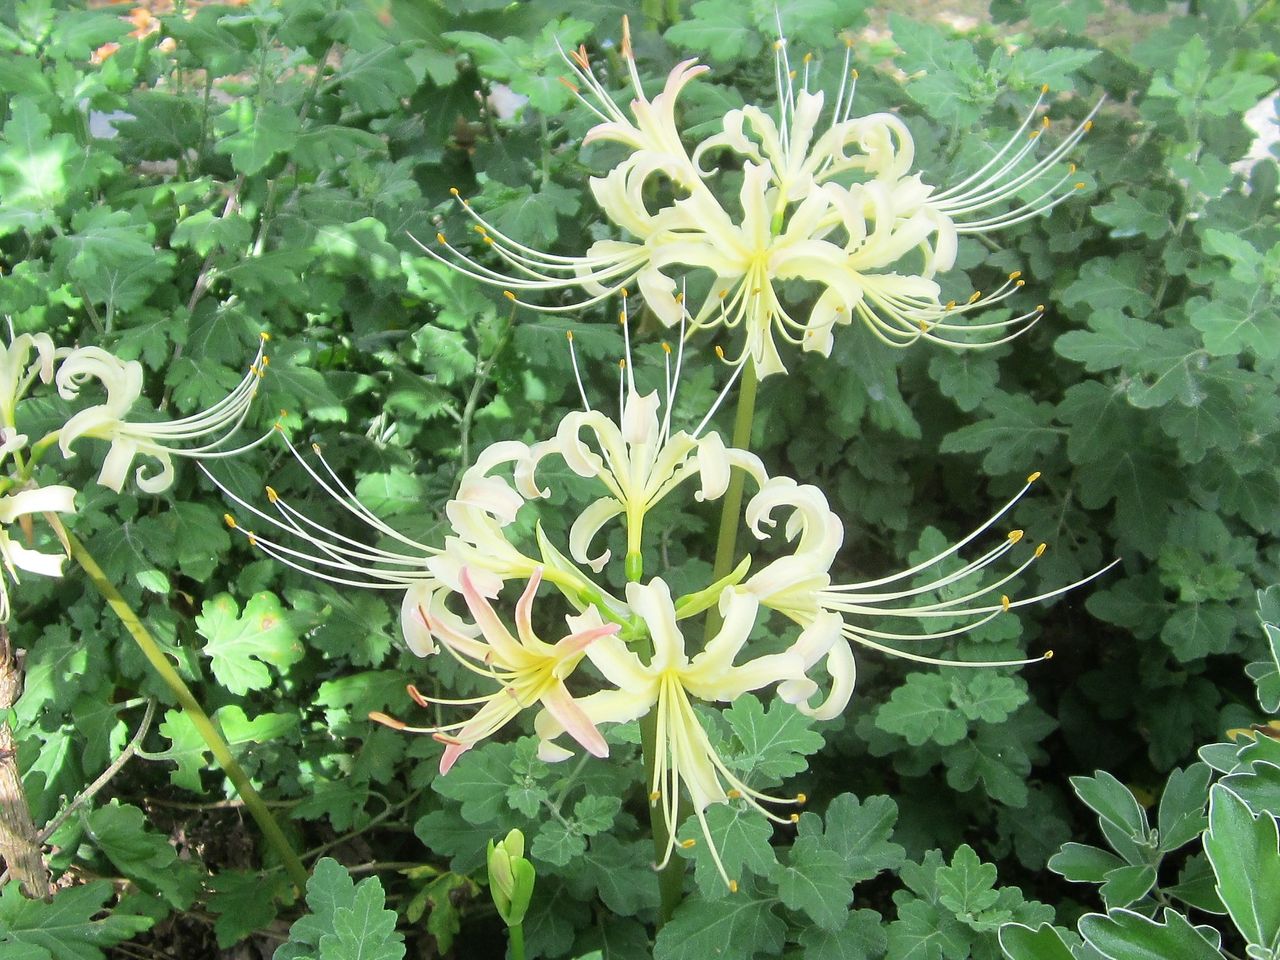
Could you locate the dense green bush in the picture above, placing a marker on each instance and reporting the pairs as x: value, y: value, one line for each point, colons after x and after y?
x: 265, y: 168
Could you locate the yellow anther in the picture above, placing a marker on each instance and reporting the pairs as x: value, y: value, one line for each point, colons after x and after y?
x: 1015, y: 275
x: 315, y: 448
x: 722, y: 294
x: 679, y: 298
x: 622, y: 317
x: 509, y: 295
x: 655, y: 797
x: 734, y: 794
x: 1033, y: 477
x: 624, y: 293
x: 808, y: 58
x: 1020, y: 283
x: 1088, y: 125
x: 1080, y: 185
x: 802, y: 798
x: 666, y: 347
x: 977, y: 295
x: 951, y: 304
x: 719, y: 351
x: 791, y: 75
x: 278, y: 426
x: 478, y: 228
x: 853, y: 73
x: 1048, y: 655
x: 733, y: 886
x: 1044, y: 122
x: 1015, y: 536
x: 1071, y: 168
x: 440, y: 238
x: 265, y: 336
x: 1033, y: 134
x: 454, y: 191
x: 1044, y: 88
x: 777, y: 44
x: 1004, y: 601
x: 688, y: 844
x: 622, y: 364
x: 229, y: 520
x: 266, y: 362
x: 387, y: 721
x: 272, y: 495
x: 1041, y: 549
x: 253, y: 540
x: 794, y: 818
x: 487, y: 239
x: 568, y: 335
x: 1039, y: 308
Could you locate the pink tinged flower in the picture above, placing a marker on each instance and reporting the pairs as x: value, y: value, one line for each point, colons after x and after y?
x: 528, y: 670
x: 201, y: 436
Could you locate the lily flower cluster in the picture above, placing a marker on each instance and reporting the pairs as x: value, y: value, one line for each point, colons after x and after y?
x: 624, y: 654
x: 835, y: 212
x: 29, y: 359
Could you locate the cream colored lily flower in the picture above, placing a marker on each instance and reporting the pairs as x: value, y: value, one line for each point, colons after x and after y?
x: 797, y: 217
x: 528, y: 670
x: 48, y: 501
x: 670, y: 682
x: 161, y: 441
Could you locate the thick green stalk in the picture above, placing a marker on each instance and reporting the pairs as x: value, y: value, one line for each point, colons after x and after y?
x: 213, y: 740
x: 516, y: 936
x: 670, y: 877
x: 731, y: 509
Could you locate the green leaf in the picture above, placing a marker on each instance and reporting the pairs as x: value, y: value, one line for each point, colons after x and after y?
x: 1000, y: 763
x: 1016, y: 438
x: 1055, y: 66
x: 774, y: 743
x: 1125, y: 885
x: 741, y: 838
x: 364, y: 930
x: 1182, y: 818
x: 531, y: 217
x: 1114, y: 804
x: 967, y: 886
x: 1021, y: 942
x: 1125, y: 935
x: 859, y: 832
x: 1245, y: 854
x: 1148, y: 213
x: 120, y: 831
x: 64, y: 929
x: 261, y: 134
x: 190, y: 752
x: 739, y: 926
x: 721, y: 29
x: 987, y: 696
x: 479, y: 780
x: 1114, y: 281
x: 244, y: 901
x: 620, y: 873
x: 862, y: 937
x: 810, y: 880
x: 921, y: 711
x: 968, y: 377
x: 241, y: 646
x: 947, y: 78
x: 1081, y: 863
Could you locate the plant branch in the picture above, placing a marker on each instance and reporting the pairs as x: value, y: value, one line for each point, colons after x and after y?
x: 200, y: 720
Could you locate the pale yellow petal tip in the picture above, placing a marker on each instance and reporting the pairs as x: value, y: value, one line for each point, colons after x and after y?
x: 1005, y: 602
x: 272, y: 495
x: 1015, y: 536
x: 1033, y: 477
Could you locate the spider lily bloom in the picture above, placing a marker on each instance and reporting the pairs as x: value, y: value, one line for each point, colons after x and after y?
x: 803, y: 591
x: 18, y: 371
x: 162, y: 440
x: 49, y: 501
x: 327, y: 554
x: 670, y: 682
x: 797, y: 217
x: 528, y: 670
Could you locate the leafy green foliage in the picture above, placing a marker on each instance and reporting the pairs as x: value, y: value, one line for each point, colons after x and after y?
x: 65, y: 928
x: 348, y: 920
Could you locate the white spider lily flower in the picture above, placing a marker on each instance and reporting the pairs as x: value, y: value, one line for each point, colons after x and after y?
x: 800, y: 587
x: 528, y: 671
x: 48, y: 501
x: 797, y: 217
x: 210, y: 430
x: 670, y: 682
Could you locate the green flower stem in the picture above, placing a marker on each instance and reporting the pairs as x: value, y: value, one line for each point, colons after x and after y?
x: 516, y: 936
x: 670, y: 877
x: 213, y: 740
x: 731, y: 511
